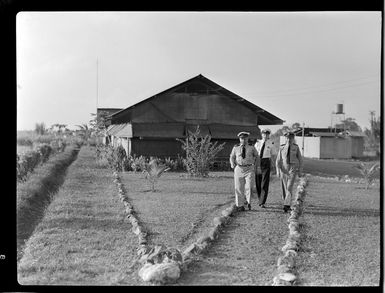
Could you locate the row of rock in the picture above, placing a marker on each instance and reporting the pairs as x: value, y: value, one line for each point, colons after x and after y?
x: 164, y: 265
x: 160, y: 265
x: 286, y: 273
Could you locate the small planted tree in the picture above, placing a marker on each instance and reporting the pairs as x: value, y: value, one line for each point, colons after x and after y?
x: 153, y: 170
x: 40, y: 128
x: 368, y: 172
x: 200, y: 153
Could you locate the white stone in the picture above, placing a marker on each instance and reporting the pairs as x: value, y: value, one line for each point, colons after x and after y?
x: 160, y: 273
x: 287, y: 277
x: 291, y: 252
x: 226, y: 213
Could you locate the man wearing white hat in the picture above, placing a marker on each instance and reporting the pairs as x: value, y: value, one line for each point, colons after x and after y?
x: 243, y: 158
x: 289, y: 164
x: 265, y: 148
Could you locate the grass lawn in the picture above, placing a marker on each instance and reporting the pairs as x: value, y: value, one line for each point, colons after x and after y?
x: 181, y: 208
x: 84, y: 238
x: 342, y: 235
x: 334, y: 167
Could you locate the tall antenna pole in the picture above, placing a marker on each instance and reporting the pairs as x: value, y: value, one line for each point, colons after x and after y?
x: 97, y: 85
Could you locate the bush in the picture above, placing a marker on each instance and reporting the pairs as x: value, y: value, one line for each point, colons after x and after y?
x: 171, y: 164
x: 138, y: 163
x: 200, y: 153
x: 28, y: 161
x: 24, y: 141
x: 368, y: 172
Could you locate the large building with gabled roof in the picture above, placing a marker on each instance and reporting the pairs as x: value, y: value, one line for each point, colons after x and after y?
x: 150, y: 127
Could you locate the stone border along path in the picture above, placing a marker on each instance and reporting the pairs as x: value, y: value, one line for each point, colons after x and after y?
x: 286, y: 274
x: 162, y: 265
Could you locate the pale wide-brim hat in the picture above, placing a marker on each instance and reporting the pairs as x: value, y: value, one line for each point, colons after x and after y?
x: 289, y: 134
x: 243, y: 134
x: 266, y: 130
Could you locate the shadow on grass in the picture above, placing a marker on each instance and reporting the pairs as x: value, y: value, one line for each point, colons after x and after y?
x: 88, y: 223
x: 331, y: 211
x: 37, y: 193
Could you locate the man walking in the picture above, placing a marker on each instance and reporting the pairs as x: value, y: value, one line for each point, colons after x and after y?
x: 265, y: 148
x: 243, y: 158
x: 289, y: 164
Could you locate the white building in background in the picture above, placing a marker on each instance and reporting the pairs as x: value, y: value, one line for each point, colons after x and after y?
x: 329, y: 144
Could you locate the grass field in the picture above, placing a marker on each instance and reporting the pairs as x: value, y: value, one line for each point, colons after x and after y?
x: 84, y: 238
x: 333, y: 167
x: 181, y: 208
x: 342, y: 235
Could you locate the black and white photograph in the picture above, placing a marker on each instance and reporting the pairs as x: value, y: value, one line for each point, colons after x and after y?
x: 199, y: 148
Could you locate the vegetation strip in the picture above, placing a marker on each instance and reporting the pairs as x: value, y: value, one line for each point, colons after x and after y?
x: 34, y: 195
x: 82, y: 239
x: 286, y: 273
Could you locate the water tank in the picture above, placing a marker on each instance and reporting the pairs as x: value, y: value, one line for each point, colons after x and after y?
x: 340, y: 109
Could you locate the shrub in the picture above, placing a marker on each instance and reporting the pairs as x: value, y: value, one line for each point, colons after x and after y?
x: 368, y: 172
x: 118, y: 157
x: 171, y: 164
x: 24, y: 141
x: 26, y: 164
x: 48, y: 138
x: 200, y: 153
x: 138, y: 163
x: 45, y: 151
x: 104, y: 155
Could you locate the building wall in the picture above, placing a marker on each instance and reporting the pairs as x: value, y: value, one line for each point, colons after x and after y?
x: 156, y: 147
x: 311, y: 146
x: 164, y: 148
x: 335, y: 148
x: 357, y: 146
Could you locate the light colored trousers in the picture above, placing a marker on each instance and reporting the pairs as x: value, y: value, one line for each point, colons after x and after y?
x: 243, y: 182
x: 287, y: 181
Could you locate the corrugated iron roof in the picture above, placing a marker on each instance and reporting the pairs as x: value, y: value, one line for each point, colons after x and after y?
x: 355, y: 133
x: 264, y: 117
x: 324, y: 134
x: 125, y: 131
x: 231, y: 131
x: 158, y: 130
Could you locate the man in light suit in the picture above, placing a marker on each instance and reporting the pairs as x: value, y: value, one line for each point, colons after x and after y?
x: 243, y: 159
x: 289, y: 164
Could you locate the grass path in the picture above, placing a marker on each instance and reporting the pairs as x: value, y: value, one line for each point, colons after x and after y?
x: 83, y: 238
x: 247, y: 250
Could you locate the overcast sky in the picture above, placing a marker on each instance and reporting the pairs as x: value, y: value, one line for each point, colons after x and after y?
x: 296, y: 65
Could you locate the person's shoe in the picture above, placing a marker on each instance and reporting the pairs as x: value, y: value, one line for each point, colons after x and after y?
x: 262, y: 206
x: 286, y: 209
x: 249, y: 206
x: 241, y: 209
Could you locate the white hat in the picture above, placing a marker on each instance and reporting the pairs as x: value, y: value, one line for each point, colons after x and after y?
x: 265, y: 130
x: 243, y: 133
